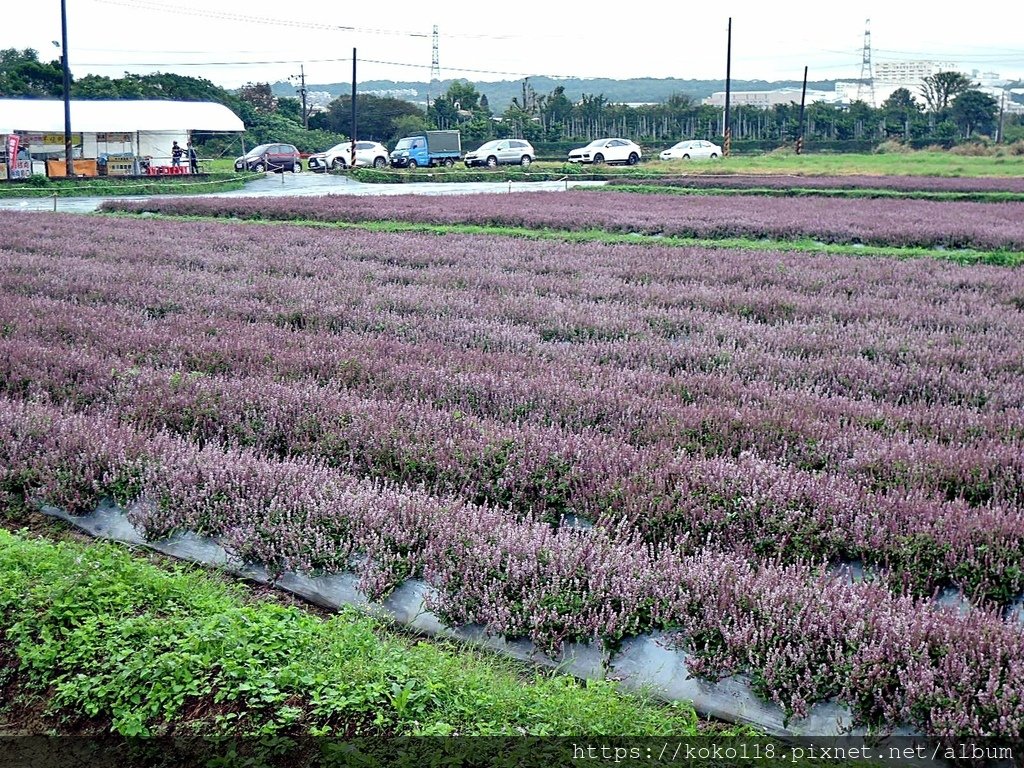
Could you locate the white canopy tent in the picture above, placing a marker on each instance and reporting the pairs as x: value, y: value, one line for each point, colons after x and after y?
x: 142, y: 128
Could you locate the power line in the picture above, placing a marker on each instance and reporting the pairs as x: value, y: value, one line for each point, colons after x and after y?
x: 278, y: 22
x: 1014, y: 54
x: 314, y: 61
x: 266, y: 20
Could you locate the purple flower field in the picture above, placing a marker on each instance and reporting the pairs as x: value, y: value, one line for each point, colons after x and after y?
x: 729, y: 425
x: 901, y: 223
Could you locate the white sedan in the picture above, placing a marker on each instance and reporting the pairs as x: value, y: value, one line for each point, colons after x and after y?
x: 692, y: 150
x: 368, y: 153
x: 607, y: 151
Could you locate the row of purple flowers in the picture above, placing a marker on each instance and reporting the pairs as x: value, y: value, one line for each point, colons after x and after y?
x: 790, y: 471
x: 1013, y: 184
x: 904, y: 222
x: 802, y: 635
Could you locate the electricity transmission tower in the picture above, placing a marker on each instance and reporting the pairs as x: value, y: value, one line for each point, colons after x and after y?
x: 435, y: 68
x: 866, y: 87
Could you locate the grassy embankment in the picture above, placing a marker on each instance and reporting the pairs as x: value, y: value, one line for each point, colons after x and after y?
x: 96, y: 641
x: 40, y: 186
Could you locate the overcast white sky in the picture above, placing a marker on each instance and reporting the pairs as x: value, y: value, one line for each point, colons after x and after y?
x: 231, y: 42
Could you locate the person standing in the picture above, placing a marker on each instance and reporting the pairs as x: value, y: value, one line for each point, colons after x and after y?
x: 176, y: 153
x: 193, y: 159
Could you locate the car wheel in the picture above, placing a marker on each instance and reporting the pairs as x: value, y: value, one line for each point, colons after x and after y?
x: 598, y: 159
x: 686, y: 157
x: 379, y: 162
x: 297, y: 167
x: 633, y: 159
x: 413, y: 164
x: 449, y: 162
x: 338, y: 164
x: 492, y: 162
x: 525, y: 161
x: 714, y: 155
x: 259, y: 168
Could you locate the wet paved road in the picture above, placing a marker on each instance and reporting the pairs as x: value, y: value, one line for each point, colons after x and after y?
x: 302, y: 184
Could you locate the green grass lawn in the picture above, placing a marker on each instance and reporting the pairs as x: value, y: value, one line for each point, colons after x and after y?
x: 96, y: 637
x: 921, y: 163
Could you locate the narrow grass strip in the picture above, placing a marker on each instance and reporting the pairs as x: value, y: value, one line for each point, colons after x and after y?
x: 803, y: 245
x: 114, y: 186
x: 885, y: 194
x: 106, y: 637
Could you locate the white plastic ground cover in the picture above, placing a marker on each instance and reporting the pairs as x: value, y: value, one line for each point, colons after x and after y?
x: 642, y: 663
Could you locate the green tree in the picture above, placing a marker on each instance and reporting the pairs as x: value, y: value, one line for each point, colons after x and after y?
x: 259, y: 97
x: 900, y: 102
x: 100, y: 87
x: 265, y: 128
x: 407, y: 125
x: 375, y: 117
x: 901, y: 113
x: 290, y: 107
x: 975, y: 111
x: 461, y: 108
x: 940, y: 89
x: 519, y: 123
x: 159, y: 85
x: 464, y: 96
x: 22, y: 74
x: 556, y: 111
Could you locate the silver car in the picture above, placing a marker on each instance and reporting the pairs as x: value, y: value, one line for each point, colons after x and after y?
x: 502, y: 152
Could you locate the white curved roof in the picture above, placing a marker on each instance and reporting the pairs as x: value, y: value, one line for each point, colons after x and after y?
x: 116, y: 115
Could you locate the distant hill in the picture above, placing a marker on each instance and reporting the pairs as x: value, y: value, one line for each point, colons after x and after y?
x: 500, y: 94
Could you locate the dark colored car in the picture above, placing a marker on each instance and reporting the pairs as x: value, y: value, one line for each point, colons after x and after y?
x: 270, y: 157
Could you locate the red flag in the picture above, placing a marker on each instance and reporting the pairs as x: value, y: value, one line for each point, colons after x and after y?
x: 12, y: 149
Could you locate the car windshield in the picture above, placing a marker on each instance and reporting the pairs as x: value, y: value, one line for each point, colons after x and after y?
x: 404, y: 143
x: 257, y: 151
x: 597, y: 143
x: 682, y: 145
x: 488, y: 145
x: 343, y: 147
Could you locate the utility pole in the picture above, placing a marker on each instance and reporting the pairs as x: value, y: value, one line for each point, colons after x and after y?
x: 1002, y: 109
x: 69, y: 162
x: 800, y: 129
x: 352, y: 138
x: 302, y: 94
x: 727, y: 131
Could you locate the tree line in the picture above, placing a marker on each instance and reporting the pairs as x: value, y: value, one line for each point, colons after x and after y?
x: 946, y: 108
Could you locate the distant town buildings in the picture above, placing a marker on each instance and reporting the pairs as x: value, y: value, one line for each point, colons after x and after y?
x: 767, y: 99
x: 910, y: 74
x: 889, y: 77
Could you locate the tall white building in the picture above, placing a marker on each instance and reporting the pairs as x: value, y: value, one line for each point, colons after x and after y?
x: 910, y: 73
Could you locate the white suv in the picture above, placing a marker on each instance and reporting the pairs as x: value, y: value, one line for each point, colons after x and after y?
x: 368, y: 153
x: 607, y: 151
